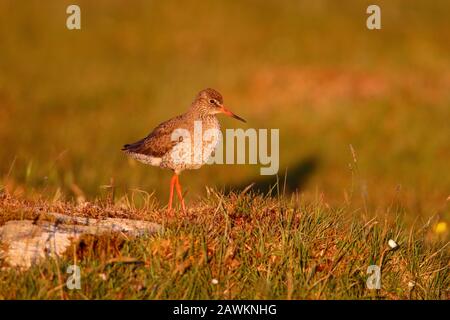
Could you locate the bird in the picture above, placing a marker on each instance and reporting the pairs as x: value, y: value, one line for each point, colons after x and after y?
x: 170, y: 145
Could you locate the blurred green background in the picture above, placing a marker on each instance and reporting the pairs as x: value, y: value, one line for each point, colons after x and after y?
x: 70, y: 99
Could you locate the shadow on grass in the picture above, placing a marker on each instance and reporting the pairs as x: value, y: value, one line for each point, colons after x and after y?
x: 290, y: 179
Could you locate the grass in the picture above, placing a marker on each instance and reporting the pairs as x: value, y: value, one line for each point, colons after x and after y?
x: 255, y: 246
x: 363, y: 118
x: 70, y: 99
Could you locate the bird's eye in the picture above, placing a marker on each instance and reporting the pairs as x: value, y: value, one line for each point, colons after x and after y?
x: 212, y: 101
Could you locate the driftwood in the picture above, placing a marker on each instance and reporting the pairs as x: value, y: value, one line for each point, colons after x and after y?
x: 25, y: 242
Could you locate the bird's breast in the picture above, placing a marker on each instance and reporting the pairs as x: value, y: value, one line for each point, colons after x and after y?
x: 196, y: 147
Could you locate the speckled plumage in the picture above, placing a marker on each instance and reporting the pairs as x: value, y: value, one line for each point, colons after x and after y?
x: 159, y: 149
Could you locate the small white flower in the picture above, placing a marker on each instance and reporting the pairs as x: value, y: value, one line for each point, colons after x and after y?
x: 392, y: 244
x: 102, y: 276
x: 411, y: 284
x: 214, y: 281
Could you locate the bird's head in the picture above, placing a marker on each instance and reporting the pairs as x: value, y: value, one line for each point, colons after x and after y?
x: 210, y: 102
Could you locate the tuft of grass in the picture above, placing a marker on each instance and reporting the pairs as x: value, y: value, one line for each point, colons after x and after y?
x: 256, y: 246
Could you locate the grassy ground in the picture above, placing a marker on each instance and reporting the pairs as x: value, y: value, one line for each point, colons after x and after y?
x: 70, y: 99
x: 363, y: 118
x: 240, y: 246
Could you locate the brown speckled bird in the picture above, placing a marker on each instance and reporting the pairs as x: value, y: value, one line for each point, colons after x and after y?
x: 172, y: 144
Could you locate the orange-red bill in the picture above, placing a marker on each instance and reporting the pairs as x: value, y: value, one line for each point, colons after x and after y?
x: 231, y: 114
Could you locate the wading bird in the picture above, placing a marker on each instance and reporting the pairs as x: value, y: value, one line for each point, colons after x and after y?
x: 167, y: 147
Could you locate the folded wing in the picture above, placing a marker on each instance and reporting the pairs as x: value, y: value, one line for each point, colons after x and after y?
x: 158, y: 142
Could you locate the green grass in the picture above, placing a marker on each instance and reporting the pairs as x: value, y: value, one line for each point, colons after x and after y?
x: 255, y: 246
x: 70, y: 99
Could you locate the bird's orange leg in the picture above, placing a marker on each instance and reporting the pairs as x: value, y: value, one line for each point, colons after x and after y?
x: 180, y: 194
x: 172, y: 184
